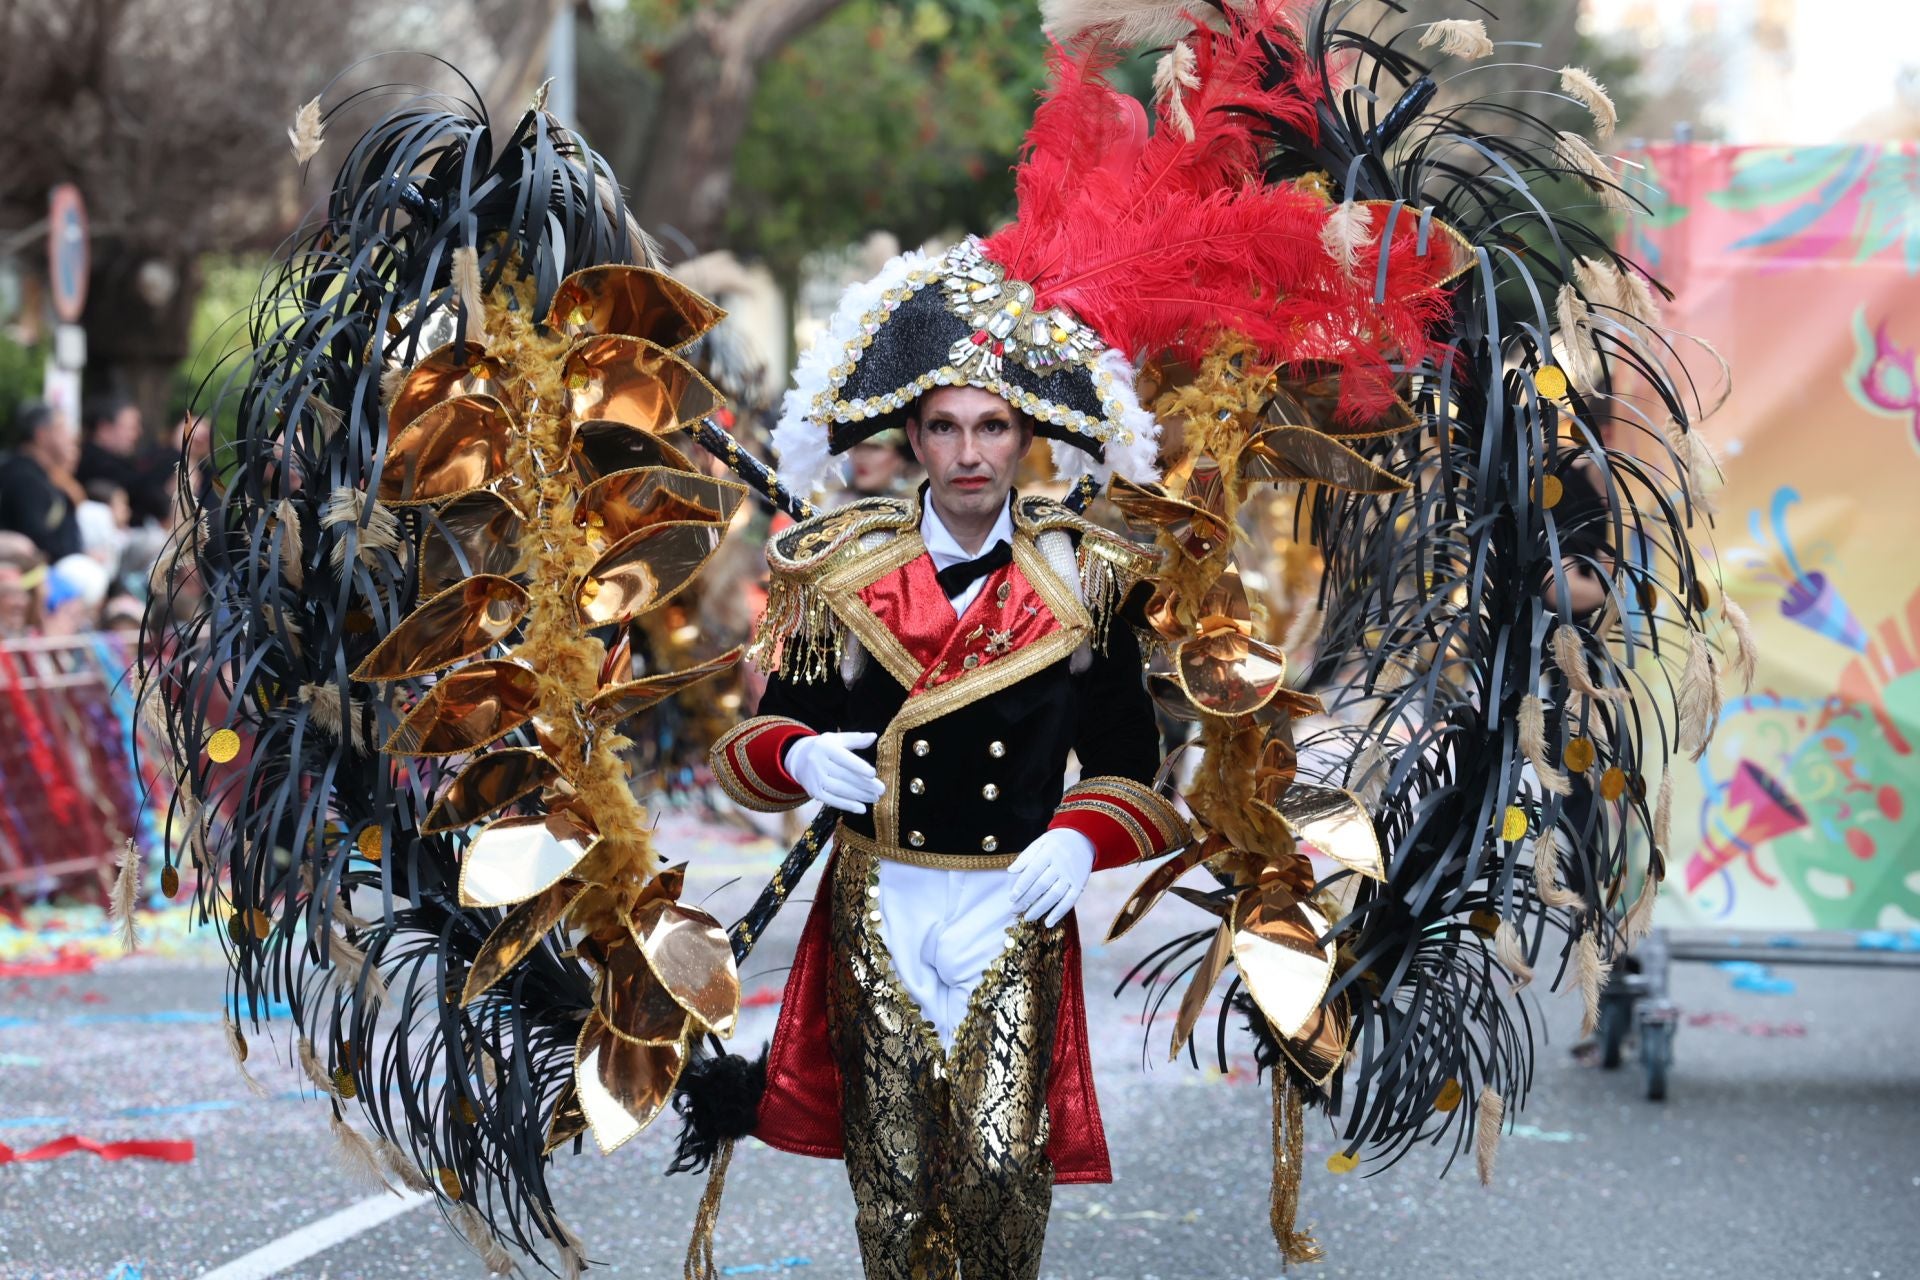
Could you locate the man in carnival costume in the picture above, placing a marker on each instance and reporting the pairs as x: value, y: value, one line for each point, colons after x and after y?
x: 458, y: 483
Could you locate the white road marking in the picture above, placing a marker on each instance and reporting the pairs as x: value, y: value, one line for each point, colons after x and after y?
x: 297, y: 1246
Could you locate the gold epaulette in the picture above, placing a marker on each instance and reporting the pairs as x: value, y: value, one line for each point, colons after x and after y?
x: 799, y: 635
x: 1110, y: 565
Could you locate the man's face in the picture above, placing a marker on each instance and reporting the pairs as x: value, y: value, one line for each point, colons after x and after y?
x: 970, y: 441
x: 876, y: 466
x: 61, y: 441
x: 16, y: 603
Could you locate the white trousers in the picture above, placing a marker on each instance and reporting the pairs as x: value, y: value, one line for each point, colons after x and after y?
x: 942, y: 930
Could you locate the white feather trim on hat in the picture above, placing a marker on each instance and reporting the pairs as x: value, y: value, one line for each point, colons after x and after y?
x: 800, y: 445
x: 1134, y: 459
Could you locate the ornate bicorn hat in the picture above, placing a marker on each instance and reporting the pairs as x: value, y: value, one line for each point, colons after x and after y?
x: 961, y: 320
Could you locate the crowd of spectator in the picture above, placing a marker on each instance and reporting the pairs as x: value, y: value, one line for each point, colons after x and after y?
x: 85, y: 510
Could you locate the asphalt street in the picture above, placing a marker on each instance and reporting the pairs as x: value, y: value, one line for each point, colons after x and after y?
x: 1790, y: 1147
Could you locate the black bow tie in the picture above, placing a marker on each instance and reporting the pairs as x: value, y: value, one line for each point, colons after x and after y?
x: 956, y: 578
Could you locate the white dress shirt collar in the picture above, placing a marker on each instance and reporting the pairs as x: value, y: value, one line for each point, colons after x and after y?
x: 946, y: 549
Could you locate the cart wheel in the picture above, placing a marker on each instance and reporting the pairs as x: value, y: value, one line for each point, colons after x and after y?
x: 1614, y: 1015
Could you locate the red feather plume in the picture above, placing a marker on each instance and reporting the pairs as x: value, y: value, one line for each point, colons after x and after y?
x: 1162, y: 242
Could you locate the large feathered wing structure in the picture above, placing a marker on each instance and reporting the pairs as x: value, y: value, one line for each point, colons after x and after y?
x: 1494, y: 434
x: 392, y: 652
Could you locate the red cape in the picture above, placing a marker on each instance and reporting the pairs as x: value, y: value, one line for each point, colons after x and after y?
x: 800, y: 1111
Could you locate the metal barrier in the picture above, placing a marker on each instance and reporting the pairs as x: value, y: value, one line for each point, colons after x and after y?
x: 71, y: 793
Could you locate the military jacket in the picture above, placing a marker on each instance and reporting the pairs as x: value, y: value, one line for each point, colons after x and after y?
x: 975, y: 715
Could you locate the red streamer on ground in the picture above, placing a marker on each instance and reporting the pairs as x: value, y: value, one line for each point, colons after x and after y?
x: 137, y: 1149
x: 64, y: 965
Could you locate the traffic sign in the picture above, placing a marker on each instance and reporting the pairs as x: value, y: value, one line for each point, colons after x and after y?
x: 67, y: 252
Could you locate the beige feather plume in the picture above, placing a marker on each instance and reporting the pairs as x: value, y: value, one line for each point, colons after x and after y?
x: 126, y: 896
x: 493, y: 1254
x: 1347, y: 229
x: 1458, y: 38
x: 1746, y: 651
x: 291, y: 551
x: 1636, y: 295
x: 1512, y: 954
x: 237, y: 1046
x: 1599, y: 280
x: 1126, y: 23
x: 1533, y: 741
x: 1578, y: 82
x: 380, y: 533
x: 1172, y: 76
x: 466, y: 287
x: 329, y: 418
x: 1699, y: 697
x: 1577, y: 155
x: 1546, y: 871
x: 1663, y: 813
x: 306, y: 132
x: 316, y: 1070
x: 1579, y: 354
x: 392, y: 378
x: 1487, y: 1119
x: 356, y: 1155
x: 1570, y: 658
x: 401, y: 1166
x: 1697, y: 464
x: 1639, y: 922
x: 1590, y: 975
x: 355, y: 972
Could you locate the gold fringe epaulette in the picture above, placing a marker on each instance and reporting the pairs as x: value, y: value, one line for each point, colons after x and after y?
x: 800, y: 636
x: 1110, y: 565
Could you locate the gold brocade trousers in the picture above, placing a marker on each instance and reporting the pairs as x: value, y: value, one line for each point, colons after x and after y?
x: 946, y: 1149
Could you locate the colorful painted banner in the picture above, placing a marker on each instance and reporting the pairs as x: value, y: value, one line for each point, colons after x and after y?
x: 1801, y: 266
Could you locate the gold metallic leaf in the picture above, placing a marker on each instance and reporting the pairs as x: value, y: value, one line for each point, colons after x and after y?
x: 1318, y: 1049
x: 467, y: 709
x: 1204, y: 977
x: 645, y: 570
x: 1154, y: 887
x: 477, y: 533
x: 629, y: 501
x: 568, y: 1121
x: 453, y: 370
x: 467, y: 618
x: 690, y: 954
x: 488, y: 785
x: 514, y: 858
x: 515, y: 937
x: 627, y: 380
x: 629, y: 996
x: 1279, y: 763
x: 601, y: 449
x: 611, y: 706
x: 1287, y: 453
x: 1227, y: 673
x: 1150, y: 508
x: 1337, y: 824
x: 622, y: 1086
x: 450, y: 450
x: 1276, y: 944
x: 634, y: 301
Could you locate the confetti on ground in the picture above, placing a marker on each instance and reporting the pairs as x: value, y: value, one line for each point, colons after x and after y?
x: 1729, y: 1022
x: 1536, y: 1134
x: 71, y: 935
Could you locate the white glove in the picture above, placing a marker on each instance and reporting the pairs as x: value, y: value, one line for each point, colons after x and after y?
x: 826, y: 769
x: 1049, y: 875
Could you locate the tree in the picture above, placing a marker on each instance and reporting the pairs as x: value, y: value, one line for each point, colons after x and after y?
x: 172, y: 115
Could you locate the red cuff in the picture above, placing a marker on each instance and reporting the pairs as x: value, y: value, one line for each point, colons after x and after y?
x: 1126, y: 820
x: 748, y: 763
